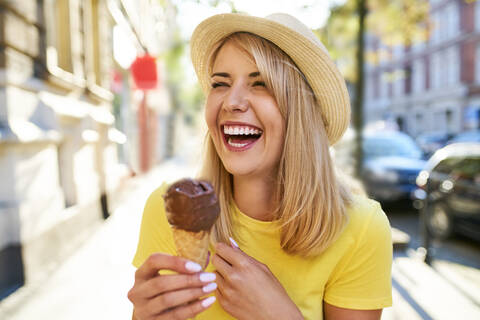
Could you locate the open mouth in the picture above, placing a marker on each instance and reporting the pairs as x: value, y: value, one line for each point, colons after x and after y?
x: 240, y: 137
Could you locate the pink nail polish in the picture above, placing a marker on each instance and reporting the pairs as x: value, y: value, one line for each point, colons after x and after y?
x: 233, y: 242
x: 210, y: 287
x: 192, y: 266
x: 207, y: 302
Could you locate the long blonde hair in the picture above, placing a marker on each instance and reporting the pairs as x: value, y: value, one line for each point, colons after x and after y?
x: 311, y: 201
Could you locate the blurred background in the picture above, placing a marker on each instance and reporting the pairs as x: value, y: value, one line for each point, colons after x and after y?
x: 99, y: 104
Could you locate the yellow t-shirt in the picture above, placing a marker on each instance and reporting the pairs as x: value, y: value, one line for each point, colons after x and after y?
x: 354, y: 272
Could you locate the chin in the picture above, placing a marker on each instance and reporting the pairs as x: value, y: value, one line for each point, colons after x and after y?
x: 236, y: 170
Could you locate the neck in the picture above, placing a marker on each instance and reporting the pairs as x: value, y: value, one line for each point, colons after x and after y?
x: 254, y: 197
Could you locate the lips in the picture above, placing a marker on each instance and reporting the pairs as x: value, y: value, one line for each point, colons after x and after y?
x: 239, y: 136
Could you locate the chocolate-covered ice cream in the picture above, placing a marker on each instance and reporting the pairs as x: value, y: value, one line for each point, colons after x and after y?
x: 191, y: 205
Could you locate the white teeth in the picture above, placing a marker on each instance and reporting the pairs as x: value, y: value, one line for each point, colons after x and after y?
x: 236, y: 145
x: 237, y: 130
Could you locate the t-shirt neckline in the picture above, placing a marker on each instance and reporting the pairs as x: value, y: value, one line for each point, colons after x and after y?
x: 253, y: 224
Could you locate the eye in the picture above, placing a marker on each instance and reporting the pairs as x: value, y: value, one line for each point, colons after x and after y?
x: 259, y: 83
x: 218, y: 84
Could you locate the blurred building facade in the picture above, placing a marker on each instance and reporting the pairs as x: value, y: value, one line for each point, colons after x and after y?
x: 431, y: 86
x: 66, y: 103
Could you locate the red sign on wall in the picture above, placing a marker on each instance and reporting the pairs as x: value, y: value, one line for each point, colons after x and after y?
x: 144, y: 72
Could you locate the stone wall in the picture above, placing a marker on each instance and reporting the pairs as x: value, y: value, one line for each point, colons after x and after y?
x: 54, y: 142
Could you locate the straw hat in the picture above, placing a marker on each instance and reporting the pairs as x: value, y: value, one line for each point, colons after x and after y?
x: 298, y: 42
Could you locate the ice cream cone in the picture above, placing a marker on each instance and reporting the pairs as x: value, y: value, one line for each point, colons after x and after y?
x: 192, y: 245
x: 191, y: 208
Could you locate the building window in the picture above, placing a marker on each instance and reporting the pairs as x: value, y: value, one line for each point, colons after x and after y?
x: 98, y: 45
x: 398, y: 80
x: 384, y: 81
x: 93, y: 41
x: 453, y: 66
x: 452, y: 19
x: 62, y: 15
x: 436, y: 70
x: 418, y: 77
x: 64, y: 47
x: 436, y: 25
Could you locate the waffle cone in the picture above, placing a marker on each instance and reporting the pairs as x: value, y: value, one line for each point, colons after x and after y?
x: 192, y: 245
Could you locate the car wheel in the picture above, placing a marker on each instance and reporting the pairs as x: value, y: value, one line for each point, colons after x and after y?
x: 439, y: 223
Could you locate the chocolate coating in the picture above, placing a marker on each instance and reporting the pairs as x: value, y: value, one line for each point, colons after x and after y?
x: 191, y: 205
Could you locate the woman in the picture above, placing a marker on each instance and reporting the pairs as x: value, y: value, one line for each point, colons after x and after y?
x: 308, y: 249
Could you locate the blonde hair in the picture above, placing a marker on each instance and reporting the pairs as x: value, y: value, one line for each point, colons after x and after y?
x: 311, y: 201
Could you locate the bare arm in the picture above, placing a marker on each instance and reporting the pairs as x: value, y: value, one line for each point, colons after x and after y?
x: 336, y: 313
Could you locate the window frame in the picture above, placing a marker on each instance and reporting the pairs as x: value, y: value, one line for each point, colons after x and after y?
x: 93, y: 50
x: 59, y: 74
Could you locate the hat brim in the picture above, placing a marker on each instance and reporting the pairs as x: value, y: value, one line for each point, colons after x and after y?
x: 319, y: 69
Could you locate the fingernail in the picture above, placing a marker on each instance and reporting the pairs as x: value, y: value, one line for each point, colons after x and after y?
x: 234, y: 244
x: 192, y: 266
x: 207, y: 302
x: 207, y: 277
x: 210, y: 287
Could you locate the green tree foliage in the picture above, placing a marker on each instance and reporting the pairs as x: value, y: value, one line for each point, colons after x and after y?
x: 392, y: 21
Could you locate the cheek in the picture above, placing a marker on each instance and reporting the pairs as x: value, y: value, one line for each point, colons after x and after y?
x: 211, y: 114
x: 273, y: 119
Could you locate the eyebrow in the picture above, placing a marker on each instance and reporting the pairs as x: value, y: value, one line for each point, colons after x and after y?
x: 227, y: 75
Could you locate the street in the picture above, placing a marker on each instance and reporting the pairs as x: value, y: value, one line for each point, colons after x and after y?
x: 449, y: 289
x: 459, y: 250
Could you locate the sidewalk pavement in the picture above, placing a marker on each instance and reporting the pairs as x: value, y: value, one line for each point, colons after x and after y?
x: 444, y: 291
x: 93, y: 283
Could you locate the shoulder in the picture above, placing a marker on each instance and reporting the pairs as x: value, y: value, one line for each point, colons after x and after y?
x: 361, y: 278
x: 156, y: 195
x: 155, y: 234
x: 154, y: 210
x: 155, y: 199
x: 366, y: 217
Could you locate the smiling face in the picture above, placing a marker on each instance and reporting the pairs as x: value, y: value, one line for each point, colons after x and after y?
x: 242, y: 115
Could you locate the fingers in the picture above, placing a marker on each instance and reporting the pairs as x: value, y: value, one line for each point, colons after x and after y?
x: 187, y: 311
x: 160, y: 261
x: 222, y: 267
x: 221, y: 282
x: 232, y: 255
x: 174, y: 299
x: 166, y: 283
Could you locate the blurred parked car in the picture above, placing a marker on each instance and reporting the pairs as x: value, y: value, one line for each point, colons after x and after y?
x: 467, y: 136
x: 451, y: 181
x: 431, y: 142
x: 392, y: 161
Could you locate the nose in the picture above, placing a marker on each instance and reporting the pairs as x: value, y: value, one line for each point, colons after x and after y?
x: 237, y: 99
